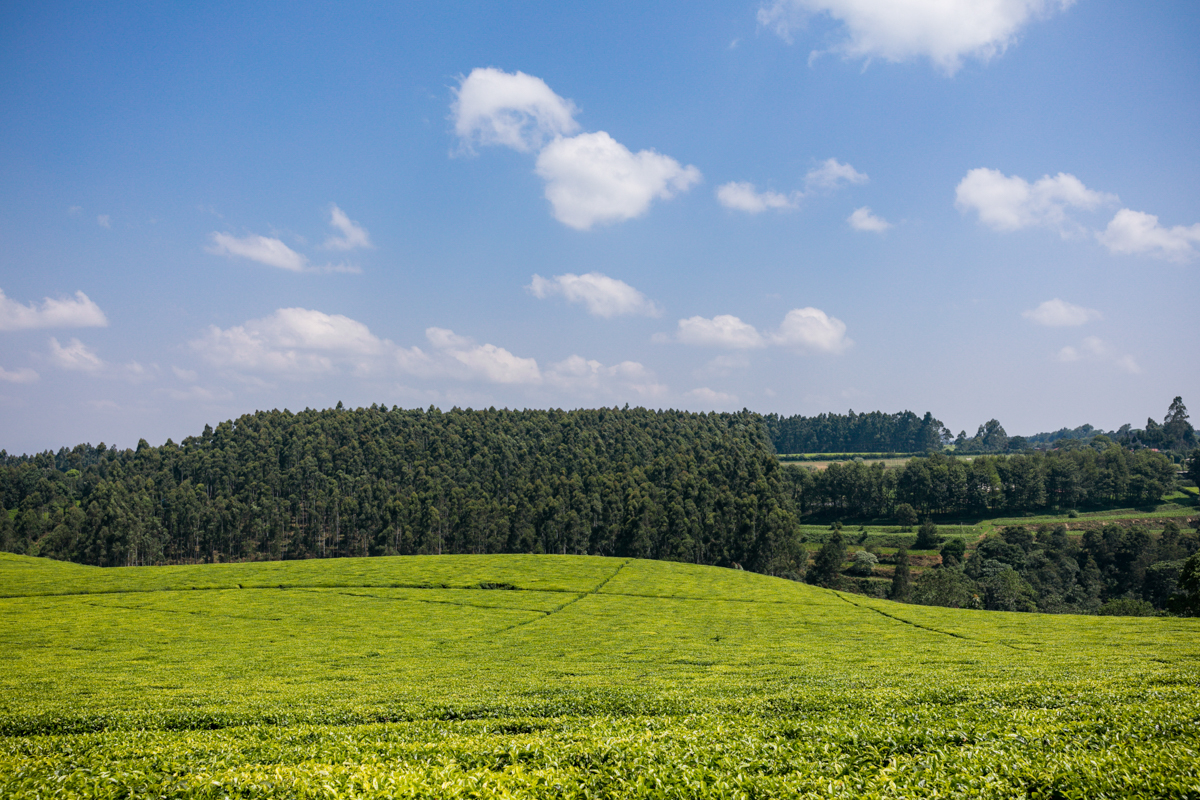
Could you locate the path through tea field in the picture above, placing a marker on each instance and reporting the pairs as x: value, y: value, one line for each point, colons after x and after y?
x: 566, y: 676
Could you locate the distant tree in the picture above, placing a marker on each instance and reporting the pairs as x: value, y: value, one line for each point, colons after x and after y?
x: 827, y: 564
x: 906, y: 515
x: 928, y: 537
x: 900, y: 578
x: 953, y: 552
x: 1193, y: 470
x: 1186, y: 600
x: 1177, y: 433
x: 863, y: 563
x: 945, y: 587
x: 1005, y: 590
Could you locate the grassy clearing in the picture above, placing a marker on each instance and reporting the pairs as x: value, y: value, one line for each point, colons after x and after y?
x: 536, y: 676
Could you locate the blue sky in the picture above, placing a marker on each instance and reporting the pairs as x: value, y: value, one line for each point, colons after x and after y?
x: 981, y: 209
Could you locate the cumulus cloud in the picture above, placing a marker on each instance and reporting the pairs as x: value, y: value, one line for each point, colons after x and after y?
x: 863, y: 220
x: 723, y: 330
x: 352, y: 235
x: 79, y: 312
x: 588, y: 376
x: 944, y: 31
x: 1059, y: 313
x: 301, y: 343
x: 712, y: 399
x: 809, y: 329
x: 263, y: 249
x: 484, y: 361
x: 590, y: 178
x: 832, y: 174
x: 75, y: 356
x: 603, y: 296
x: 742, y: 196
x: 295, y: 342
x: 813, y: 330
x: 593, y: 178
x: 1136, y: 233
x: 23, y: 375
x: 493, y: 107
x: 1011, y: 203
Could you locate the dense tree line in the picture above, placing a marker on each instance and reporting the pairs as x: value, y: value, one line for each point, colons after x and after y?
x: 655, y: 484
x: 946, y: 485
x: 1116, y: 569
x: 874, y: 432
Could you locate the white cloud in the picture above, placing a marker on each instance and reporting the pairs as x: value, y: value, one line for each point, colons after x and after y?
x: 808, y: 329
x: 185, y: 374
x: 1135, y: 232
x: 483, y: 362
x: 944, y: 31
x: 588, y: 376
x: 742, y: 196
x: 353, y: 234
x: 832, y: 174
x: 1059, y: 313
x: 863, y: 220
x: 104, y: 221
x: 295, y: 342
x: 812, y: 329
x: 1011, y: 203
x: 493, y: 107
x: 301, y: 343
x: 1068, y: 354
x: 63, y: 313
x: 603, y: 296
x: 712, y: 399
x: 263, y: 249
x: 593, y: 178
x: 723, y: 330
x: 75, y: 356
x: 23, y: 375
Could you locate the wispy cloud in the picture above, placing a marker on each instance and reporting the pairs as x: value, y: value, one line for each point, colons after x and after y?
x: 79, y: 312
x: 22, y: 375
x: 1060, y: 313
x: 104, y: 221
x: 75, y: 356
x: 601, y: 295
x: 1096, y: 350
x: 863, y: 220
x: 830, y: 175
x: 352, y: 236
x: 804, y: 329
x: 262, y: 249
x: 742, y: 196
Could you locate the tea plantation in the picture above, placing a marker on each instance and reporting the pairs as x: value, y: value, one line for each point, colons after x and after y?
x: 569, y: 676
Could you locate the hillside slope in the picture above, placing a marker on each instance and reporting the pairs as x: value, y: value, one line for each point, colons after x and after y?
x: 516, y: 674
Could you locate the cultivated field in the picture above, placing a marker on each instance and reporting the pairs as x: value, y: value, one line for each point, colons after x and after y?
x: 553, y: 676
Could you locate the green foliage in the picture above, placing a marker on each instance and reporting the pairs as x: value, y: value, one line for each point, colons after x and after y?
x: 572, y: 677
x: 928, y: 537
x: 829, y: 559
x: 900, y: 578
x: 703, y: 488
x: 875, y: 432
x: 1186, y: 600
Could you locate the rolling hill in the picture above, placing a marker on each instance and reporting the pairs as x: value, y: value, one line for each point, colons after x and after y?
x: 568, y: 676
